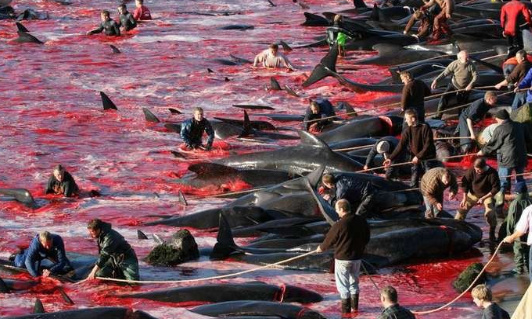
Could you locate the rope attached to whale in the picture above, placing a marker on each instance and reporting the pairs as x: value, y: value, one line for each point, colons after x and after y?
x: 206, y: 278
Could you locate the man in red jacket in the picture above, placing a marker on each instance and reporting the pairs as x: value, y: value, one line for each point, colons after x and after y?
x: 510, y: 21
x: 141, y: 12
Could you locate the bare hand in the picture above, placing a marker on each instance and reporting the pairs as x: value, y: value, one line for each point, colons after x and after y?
x: 366, y: 167
x: 473, y: 137
x: 498, y: 86
x: 452, y: 195
x: 387, y: 162
x: 433, y: 85
x: 415, y: 160
x: 508, y: 239
x: 463, y: 203
x: 46, y: 273
x: 480, y: 201
x: 327, y: 197
x: 480, y: 153
x: 516, y: 89
x: 439, y: 206
x: 318, y: 250
x: 469, y: 87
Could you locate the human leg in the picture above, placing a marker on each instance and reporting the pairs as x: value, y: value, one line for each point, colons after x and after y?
x: 353, y: 283
x: 491, y: 216
x: 341, y: 276
x: 504, y: 176
x: 444, y: 101
x: 520, y: 256
x: 471, y: 200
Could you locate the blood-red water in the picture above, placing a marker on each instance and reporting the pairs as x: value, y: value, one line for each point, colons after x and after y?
x: 51, y: 114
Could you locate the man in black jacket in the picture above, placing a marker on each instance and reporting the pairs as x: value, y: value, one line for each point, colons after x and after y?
x: 117, y: 259
x: 413, y: 96
x: 480, y: 183
x: 349, y: 237
x: 420, y: 142
x: 509, y: 141
x: 61, y: 183
x: 472, y: 115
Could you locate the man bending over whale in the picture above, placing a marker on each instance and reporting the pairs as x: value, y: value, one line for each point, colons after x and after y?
x: 272, y: 58
x: 117, y: 259
x: 61, y: 183
x: 43, y: 246
x: 108, y: 25
x: 360, y: 194
x: 192, y: 131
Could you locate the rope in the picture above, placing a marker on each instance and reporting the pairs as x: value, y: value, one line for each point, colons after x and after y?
x: 407, y: 163
x: 354, y: 148
x: 203, y: 279
x: 465, y: 291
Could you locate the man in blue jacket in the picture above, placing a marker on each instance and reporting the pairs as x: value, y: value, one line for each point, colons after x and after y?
x: 43, y: 246
x: 192, y: 131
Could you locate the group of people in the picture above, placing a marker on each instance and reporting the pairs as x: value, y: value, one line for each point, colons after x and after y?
x: 126, y: 21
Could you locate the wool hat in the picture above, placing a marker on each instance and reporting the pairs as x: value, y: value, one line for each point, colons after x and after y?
x: 383, y: 147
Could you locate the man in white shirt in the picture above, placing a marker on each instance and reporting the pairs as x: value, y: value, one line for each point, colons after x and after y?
x: 524, y: 225
x: 272, y: 58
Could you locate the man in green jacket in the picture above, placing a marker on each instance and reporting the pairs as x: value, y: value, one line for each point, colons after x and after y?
x: 117, y: 259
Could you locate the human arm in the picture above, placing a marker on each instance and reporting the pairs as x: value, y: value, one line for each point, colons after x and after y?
x: 185, y: 133
x: 330, y: 239
x: 116, y: 28
x: 526, y: 14
x: 410, y: 24
x: 405, y: 138
x: 453, y: 188
x: 527, y: 81
x: 92, y: 274
x: 522, y: 226
x: 259, y: 58
x: 470, y: 128
x: 62, y: 260
x: 132, y: 21
x: 405, y: 94
x: 286, y: 63
x: 32, y: 257
x: 50, y: 189
x: 371, y: 156
x: 448, y: 70
x: 210, y: 134
x: 137, y: 14
x: 97, y: 30
x: 474, y: 76
x: 493, y: 144
x: 69, y: 185
x: 501, y: 84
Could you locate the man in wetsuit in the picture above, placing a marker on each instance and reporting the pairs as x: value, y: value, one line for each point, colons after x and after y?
x: 108, y: 25
x: 126, y: 22
x: 272, y: 58
x: 61, y: 182
x: 43, y: 246
x: 141, y: 12
x: 117, y: 259
x: 192, y: 131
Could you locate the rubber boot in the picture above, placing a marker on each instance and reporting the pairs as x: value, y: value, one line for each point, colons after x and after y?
x: 346, y: 308
x: 354, y: 302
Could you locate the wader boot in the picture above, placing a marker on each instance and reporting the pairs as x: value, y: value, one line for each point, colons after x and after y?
x: 346, y: 308
x: 354, y: 302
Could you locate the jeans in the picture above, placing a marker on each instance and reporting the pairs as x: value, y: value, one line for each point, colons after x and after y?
x: 346, y: 274
x: 519, y: 99
x: 505, y: 176
x: 430, y: 209
x: 529, y: 263
x: 420, y: 168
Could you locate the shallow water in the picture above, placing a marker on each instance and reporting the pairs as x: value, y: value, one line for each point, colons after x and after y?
x: 51, y: 113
